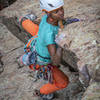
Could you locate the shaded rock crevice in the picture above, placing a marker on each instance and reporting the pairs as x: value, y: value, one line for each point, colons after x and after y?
x: 6, y: 3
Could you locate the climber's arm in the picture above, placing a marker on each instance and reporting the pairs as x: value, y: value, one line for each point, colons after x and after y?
x: 55, y: 54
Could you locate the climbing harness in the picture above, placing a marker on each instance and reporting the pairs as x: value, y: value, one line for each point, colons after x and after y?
x: 30, y: 46
x: 43, y: 71
x: 30, y: 56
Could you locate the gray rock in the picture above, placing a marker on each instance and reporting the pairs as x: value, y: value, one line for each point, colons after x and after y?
x: 81, y: 43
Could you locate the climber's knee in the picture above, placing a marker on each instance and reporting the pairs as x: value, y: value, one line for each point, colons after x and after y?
x: 63, y: 84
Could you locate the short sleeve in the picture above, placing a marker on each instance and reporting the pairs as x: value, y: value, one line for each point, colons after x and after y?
x: 50, y: 38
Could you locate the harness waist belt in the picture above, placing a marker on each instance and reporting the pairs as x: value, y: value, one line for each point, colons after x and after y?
x: 43, y: 57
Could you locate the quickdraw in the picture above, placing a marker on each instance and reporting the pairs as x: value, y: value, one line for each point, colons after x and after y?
x: 28, y: 46
x: 45, y: 72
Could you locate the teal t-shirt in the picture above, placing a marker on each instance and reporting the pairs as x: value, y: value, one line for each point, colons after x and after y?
x: 46, y: 36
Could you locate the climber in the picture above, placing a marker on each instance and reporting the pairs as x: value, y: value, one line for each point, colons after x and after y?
x: 41, y: 51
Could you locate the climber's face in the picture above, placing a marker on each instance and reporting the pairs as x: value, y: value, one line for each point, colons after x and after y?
x: 58, y: 14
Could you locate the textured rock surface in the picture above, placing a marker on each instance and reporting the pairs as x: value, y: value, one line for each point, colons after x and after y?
x: 93, y: 92
x: 82, y: 39
x: 81, y: 47
x: 18, y: 83
x: 21, y: 7
x: 82, y: 43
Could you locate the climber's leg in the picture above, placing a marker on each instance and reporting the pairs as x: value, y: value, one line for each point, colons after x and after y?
x: 30, y: 27
x: 60, y: 81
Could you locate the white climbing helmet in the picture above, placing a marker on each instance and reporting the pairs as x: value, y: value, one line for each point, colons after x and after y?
x: 49, y: 5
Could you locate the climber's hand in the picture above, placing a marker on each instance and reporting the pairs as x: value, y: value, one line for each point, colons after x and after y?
x: 70, y: 20
x: 59, y: 38
x: 55, y: 54
x: 57, y: 58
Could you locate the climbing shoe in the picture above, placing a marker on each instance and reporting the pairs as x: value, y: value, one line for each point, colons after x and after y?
x: 43, y: 96
x: 47, y: 97
x: 31, y: 17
